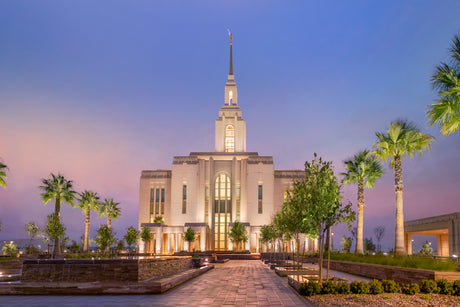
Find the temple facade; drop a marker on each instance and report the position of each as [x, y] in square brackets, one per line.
[210, 190]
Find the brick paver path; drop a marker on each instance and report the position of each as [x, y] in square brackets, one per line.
[235, 283]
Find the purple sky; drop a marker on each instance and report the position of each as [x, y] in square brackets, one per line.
[102, 90]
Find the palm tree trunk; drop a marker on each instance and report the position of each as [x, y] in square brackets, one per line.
[57, 212]
[399, 225]
[87, 222]
[109, 224]
[359, 231]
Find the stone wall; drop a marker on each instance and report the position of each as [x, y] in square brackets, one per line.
[104, 270]
[154, 268]
[377, 271]
[11, 267]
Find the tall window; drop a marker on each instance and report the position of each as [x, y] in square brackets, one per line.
[259, 203]
[206, 205]
[229, 138]
[152, 204]
[222, 211]
[157, 203]
[162, 201]
[184, 199]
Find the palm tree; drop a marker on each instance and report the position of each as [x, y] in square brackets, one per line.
[402, 139]
[88, 201]
[59, 189]
[3, 176]
[363, 169]
[446, 80]
[110, 209]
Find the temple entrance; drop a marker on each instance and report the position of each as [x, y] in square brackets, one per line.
[222, 211]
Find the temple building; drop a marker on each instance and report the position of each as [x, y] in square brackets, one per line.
[209, 190]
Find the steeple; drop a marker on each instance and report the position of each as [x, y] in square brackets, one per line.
[231, 97]
[230, 72]
[230, 130]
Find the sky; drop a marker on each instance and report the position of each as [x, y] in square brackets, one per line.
[99, 91]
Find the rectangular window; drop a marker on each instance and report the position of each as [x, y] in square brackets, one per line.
[206, 205]
[157, 203]
[184, 199]
[238, 201]
[260, 199]
[152, 199]
[162, 201]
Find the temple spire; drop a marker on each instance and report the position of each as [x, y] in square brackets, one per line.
[231, 55]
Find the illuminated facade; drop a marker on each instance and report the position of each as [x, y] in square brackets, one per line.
[209, 190]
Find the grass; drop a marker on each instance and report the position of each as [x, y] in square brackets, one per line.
[415, 262]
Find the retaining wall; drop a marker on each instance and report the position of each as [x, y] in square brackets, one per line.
[104, 270]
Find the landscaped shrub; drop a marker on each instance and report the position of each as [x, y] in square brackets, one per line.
[310, 288]
[343, 288]
[329, 287]
[410, 289]
[390, 286]
[456, 288]
[375, 287]
[428, 286]
[359, 287]
[444, 286]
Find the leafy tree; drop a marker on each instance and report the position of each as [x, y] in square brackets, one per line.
[363, 169]
[146, 236]
[59, 189]
[369, 246]
[446, 80]
[120, 245]
[105, 237]
[74, 247]
[54, 230]
[321, 193]
[10, 248]
[267, 234]
[426, 249]
[402, 139]
[354, 232]
[45, 238]
[3, 175]
[238, 234]
[110, 209]
[158, 219]
[131, 237]
[379, 231]
[33, 231]
[346, 243]
[88, 201]
[189, 236]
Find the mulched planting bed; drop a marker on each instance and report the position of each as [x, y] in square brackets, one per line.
[385, 299]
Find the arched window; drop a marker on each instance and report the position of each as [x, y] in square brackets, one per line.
[229, 139]
[230, 98]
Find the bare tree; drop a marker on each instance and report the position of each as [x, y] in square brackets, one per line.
[379, 231]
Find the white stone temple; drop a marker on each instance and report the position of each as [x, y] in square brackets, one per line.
[210, 190]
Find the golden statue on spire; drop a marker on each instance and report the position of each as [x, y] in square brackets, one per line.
[231, 36]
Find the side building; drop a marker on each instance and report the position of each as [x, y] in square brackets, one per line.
[208, 191]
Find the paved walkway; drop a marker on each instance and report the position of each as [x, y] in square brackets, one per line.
[235, 283]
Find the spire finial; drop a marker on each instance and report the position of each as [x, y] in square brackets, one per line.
[231, 56]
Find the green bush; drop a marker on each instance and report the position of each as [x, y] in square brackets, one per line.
[390, 286]
[375, 287]
[329, 287]
[310, 288]
[456, 288]
[410, 289]
[444, 286]
[428, 286]
[359, 287]
[343, 287]
[416, 262]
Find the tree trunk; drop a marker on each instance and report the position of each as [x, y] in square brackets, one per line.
[321, 251]
[400, 249]
[87, 222]
[109, 221]
[359, 230]
[57, 212]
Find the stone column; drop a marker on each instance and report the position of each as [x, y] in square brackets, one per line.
[257, 243]
[408, 244]
[203, 238]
